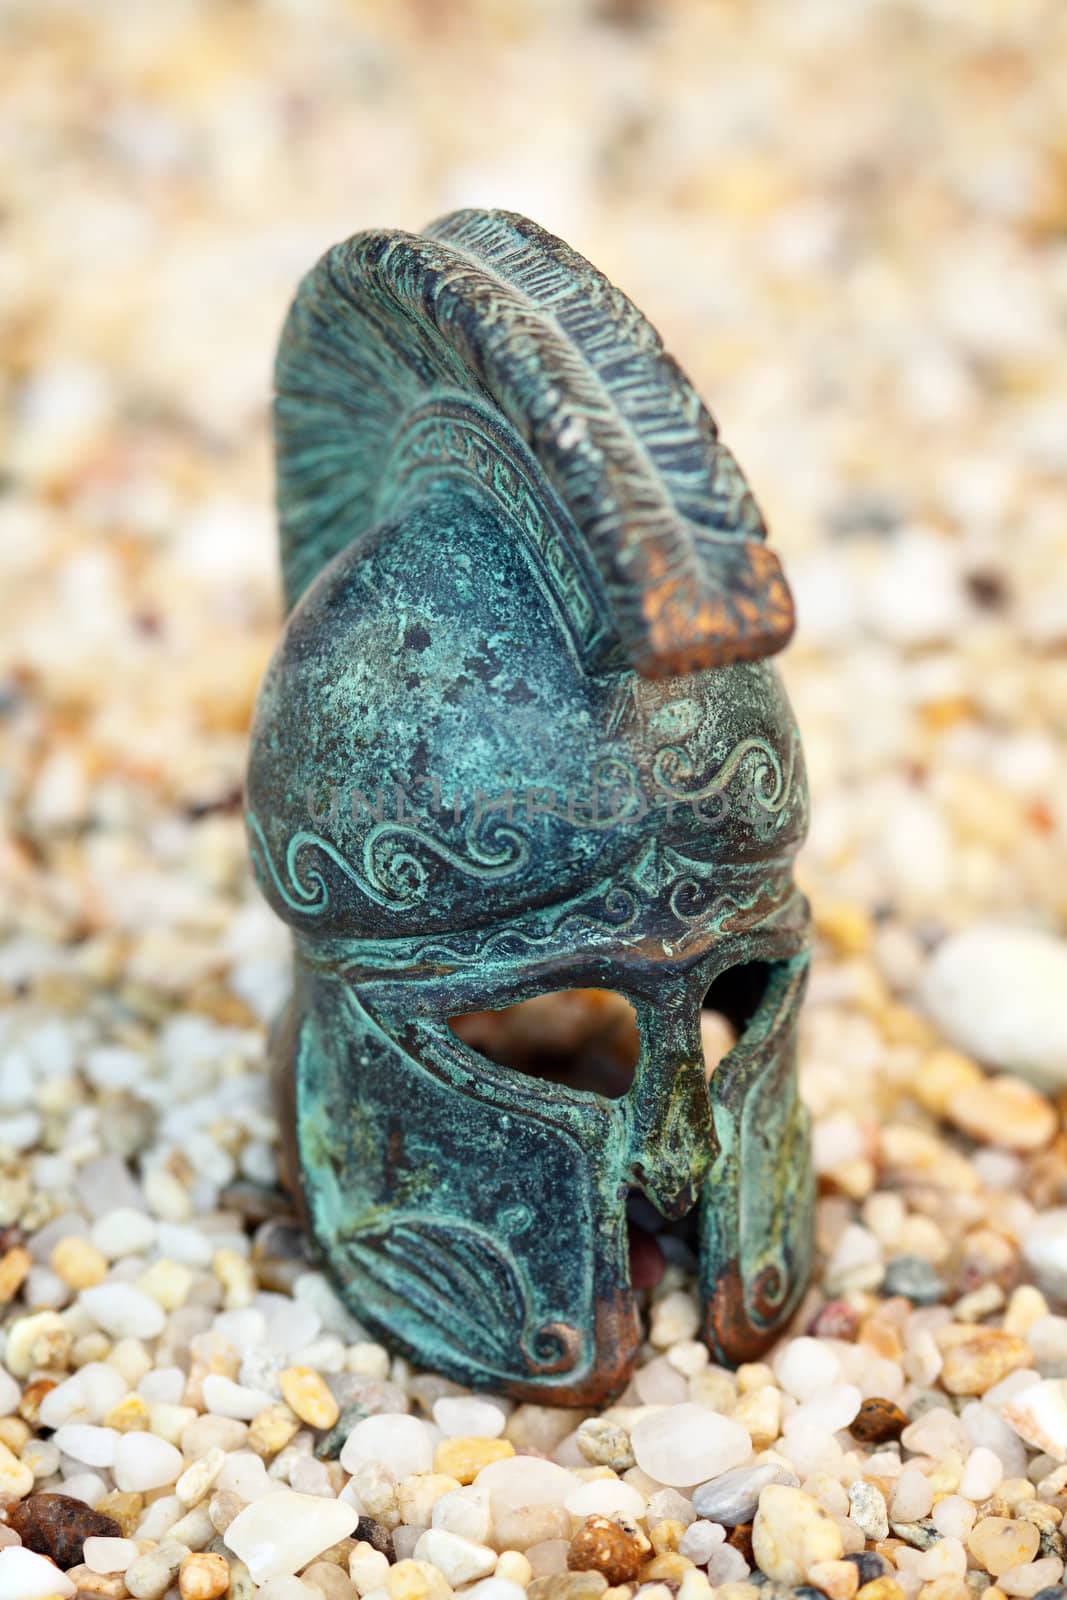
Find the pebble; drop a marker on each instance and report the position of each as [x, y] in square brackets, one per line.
[123, 1231]
[106, 1553]
[306, 1394]
[686, 1444]
[464, 1458]
[601, 1544]
[700, 1539]
[152, 1574]
[981, 1474]
[877, 1421]
[837, 1579]
[605, 1443]
[983, 1357]
[460, 1560]
[1000, 994]
[1003, 1112]
[143, 1462]
[225, 1398]
[732, 1497]
[1038, 1413]
[25, 1575]
[203, 1575]
[465, 1416]
[281, 1532]
[123, 1311]
[1000, 1543]
[606, 1497]
[805, 1366]
[92, 1445]
[1045, 1250]
[394, 1440]
[884, 1588]
[915, 1278]
[867, 1508]
[791, 1533]
[28, 1338]
[57, 1526]
[78, 1263]
[569, 1586]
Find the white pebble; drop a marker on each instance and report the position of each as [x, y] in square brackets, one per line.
[459, 1559]
[954, 1517]
[699, 1540]
[124, 1232]
[144, 1462]
[686, 1444]
[727, 1565]
[806, 1366]
[163, 1386]
[123, 1311]
[832, 1409]
[605, 1497]
[912, 1497]
[106, 1555]
[85, 1442]
[282, 1532]
[1038, 1413]
[494, 1589]
[86, 1486]
[87, 1396]
[395, 1440]
[464, 1511]
[465, 1417]
[25, 1575]
[224, 1398]
[244, 1474]
[1028, 1579]
[1000, 994]
[292, 1326]
[286, 1587]
[982, 1474]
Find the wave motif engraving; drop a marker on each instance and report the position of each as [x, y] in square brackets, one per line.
[770, 786]
[391, 872]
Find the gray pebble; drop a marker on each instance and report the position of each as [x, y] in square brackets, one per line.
[914, 1278]
[920, 1535]
[733, 1497]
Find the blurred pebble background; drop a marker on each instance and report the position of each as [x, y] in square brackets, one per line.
[850, 224]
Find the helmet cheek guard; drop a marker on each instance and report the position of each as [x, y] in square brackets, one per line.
[520, 736]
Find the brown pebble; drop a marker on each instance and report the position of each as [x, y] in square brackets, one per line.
[15, 1267]
[56, 1525]
[32, 1395]
[740, 1538]
[377, 1535]
[601, 1545]
[877, 1421]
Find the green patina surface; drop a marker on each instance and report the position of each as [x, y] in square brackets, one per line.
[520, 735]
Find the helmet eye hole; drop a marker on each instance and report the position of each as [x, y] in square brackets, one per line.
[730, 1005]
[586, 1039]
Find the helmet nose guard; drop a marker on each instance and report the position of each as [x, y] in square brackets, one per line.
[519, 735]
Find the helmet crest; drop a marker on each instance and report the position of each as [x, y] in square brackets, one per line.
[490, 306]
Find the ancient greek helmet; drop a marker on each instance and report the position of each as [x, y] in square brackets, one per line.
[520, 736]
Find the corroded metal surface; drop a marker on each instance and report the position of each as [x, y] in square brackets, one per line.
[519, 735]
